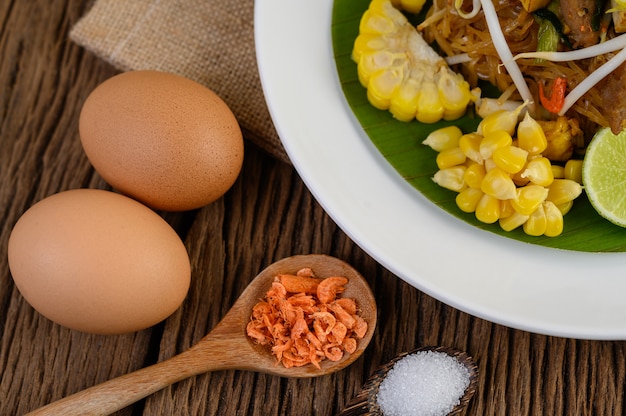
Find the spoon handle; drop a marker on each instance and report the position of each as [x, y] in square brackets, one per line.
[118, 393]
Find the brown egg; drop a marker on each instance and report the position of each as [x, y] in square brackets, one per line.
[162, 139]
[99, 262]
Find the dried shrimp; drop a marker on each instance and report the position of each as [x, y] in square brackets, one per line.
[303, 320]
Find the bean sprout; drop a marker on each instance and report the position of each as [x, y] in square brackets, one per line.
[499, 42]
[473, 13]
[611, 45]
[509, 62]
[595, 77]
[457, 59]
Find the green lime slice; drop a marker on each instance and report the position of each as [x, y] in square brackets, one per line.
[604, 175]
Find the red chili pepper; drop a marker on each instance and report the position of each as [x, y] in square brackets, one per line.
[557, 96]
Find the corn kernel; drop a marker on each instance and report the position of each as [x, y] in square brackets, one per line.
[372, 62]
[367, 42]
[443, 138]
[450, 157]
[374, 22]
[411, 6]
[563, 190]
[430, 108]
[506, 209]
[529, 198]
[504, 120]
[489, 164]
[470, 144]
[383, 85]
[404, 101]
[510, 158]
[498, 184]
[558, 171]
[573, 170]
[537, 222]
[487, 209]
[512, 221]
[554, 218]
[494, 140]
[454, 94]
[378, 7]
[468, 198]
[474, 175]
[451, 178]
[565, 207]
[539, 171]
[530, 135]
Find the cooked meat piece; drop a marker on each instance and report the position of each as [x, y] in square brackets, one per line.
[613, 92]
[577, 16]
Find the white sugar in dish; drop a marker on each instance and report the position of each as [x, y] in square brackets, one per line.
[425, 383]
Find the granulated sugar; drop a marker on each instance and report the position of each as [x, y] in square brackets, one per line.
[425, 383]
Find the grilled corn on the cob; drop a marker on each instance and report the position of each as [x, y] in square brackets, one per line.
[402, 73]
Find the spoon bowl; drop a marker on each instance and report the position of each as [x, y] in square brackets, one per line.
[227, 346]
[365, 403]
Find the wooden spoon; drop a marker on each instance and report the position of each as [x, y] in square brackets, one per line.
[226, 347]
[365, 403]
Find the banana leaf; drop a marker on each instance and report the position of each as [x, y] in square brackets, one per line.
[401, 145]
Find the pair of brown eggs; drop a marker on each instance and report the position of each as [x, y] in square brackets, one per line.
[106, 262]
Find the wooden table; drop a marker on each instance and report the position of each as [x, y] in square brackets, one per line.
[269, 214]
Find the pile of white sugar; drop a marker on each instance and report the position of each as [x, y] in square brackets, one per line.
[425, 383]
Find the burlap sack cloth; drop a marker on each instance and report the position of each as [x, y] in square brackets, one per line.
[209, 41]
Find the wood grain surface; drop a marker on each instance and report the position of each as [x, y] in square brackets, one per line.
[268, 214]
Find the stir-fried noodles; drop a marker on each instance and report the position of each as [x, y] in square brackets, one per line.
[456, 35]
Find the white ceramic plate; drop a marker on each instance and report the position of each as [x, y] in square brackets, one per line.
[542, 290]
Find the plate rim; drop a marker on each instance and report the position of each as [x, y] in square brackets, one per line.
[573, 294]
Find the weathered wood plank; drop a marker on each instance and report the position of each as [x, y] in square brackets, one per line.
[267, 215]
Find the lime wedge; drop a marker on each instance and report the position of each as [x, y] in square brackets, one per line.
[604, 175]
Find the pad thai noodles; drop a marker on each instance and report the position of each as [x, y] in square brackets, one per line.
[545, 78]
[462, 33]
